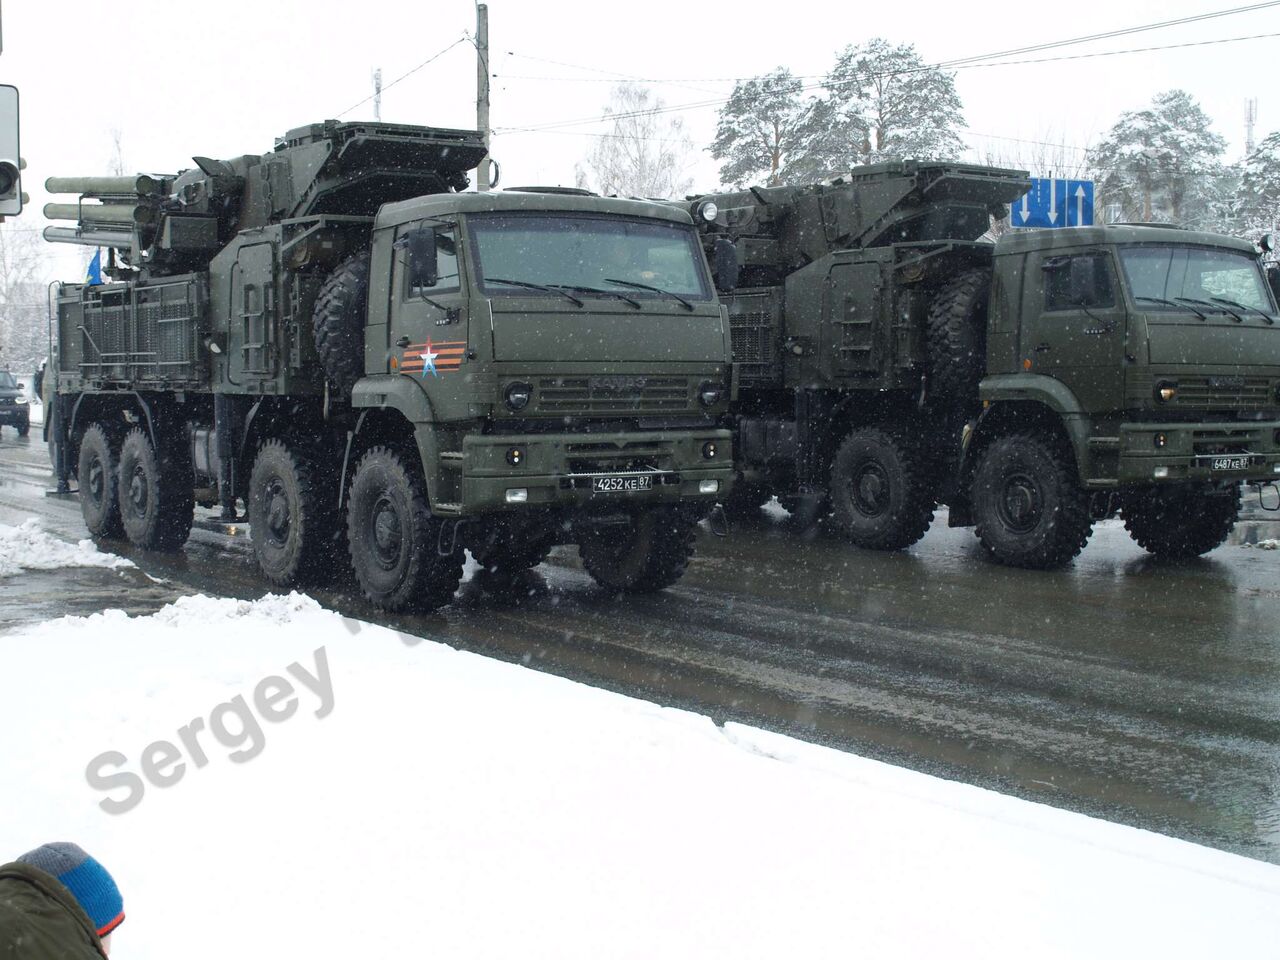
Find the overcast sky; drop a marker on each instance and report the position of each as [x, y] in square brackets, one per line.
[222, 79]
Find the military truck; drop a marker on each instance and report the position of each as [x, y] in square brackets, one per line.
[890, 359]
[386, 371]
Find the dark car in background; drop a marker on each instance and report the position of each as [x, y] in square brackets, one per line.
[14, 409]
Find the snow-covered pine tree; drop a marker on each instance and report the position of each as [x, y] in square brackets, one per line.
[759, 128]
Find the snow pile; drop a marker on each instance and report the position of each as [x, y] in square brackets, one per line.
[1265, 545]
[27, 547]
[428, 801]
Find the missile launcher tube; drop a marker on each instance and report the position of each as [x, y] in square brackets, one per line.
[123, 213]
[141, 185]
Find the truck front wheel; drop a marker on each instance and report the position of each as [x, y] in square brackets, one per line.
[881, 495]
[97, 470]
[290, 515]
[653, 555]
[393, 537]
[1180, 523]
[1029, 509]
[155, 493]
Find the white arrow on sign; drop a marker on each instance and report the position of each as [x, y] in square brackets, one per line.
[1026, 206]
[1080, 205]
[1053, 199]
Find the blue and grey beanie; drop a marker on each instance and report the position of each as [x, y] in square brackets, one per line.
[88, 882]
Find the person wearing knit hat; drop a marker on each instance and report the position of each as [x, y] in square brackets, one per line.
[57, 901]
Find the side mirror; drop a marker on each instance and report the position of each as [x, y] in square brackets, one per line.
[1083, 281]
[424, 269]
[724, 265]
[1273, 280]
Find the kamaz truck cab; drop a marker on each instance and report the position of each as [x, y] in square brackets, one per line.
[1131, 368]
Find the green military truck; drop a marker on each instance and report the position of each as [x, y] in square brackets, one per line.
[890, 360]
[387, 371]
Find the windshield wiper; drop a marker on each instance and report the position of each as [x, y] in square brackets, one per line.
[644, 286]
[1169, 303]
[1232, 303]
[1210, 304]
[537, 286]
[578, 288]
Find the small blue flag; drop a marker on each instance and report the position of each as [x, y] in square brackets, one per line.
[93, 276]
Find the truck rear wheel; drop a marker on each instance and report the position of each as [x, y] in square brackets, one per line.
[338, 320]
[99, 478]
[652, 556]
[155, 493]
[1029, 509]
[24, 427]
[393, 537]
[881, 494]
[957, 340]
[1175, 524]
[291, 515]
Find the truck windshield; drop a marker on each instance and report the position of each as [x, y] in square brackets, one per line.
[589, 255]
[1204, 276]
[6, 381]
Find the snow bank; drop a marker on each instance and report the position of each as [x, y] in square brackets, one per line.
[27, 547]
[450, 805]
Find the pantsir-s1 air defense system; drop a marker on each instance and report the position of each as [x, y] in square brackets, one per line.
[386, 371]
[889, 359]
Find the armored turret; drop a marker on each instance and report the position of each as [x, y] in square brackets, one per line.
[161, 225]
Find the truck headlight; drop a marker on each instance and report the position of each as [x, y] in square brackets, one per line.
[709, 393]
[1165, 391]
[518, 395]
[708, 211]
[19, 400]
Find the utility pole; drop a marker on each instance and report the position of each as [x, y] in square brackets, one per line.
[1250, 118]
[377, 94]
[482, 91]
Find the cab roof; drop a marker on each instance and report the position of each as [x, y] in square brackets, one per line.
[507, 201]
[1127, 234]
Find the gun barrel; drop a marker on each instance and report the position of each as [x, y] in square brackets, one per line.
[89, 238]
[140, 184]
[122, 213]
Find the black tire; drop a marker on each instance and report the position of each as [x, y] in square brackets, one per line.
[958, 341]
[652, 557]
[98, 471]
[292, 516]
[745, 500]
[882, 493]
[1029, 509]
[1180, 523]
[24, 428]
[393, 538]
[338, 321]
[155, 492]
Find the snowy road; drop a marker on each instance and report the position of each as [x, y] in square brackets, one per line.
[1143, 693]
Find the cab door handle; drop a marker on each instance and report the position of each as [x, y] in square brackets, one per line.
[1042, 347]
[402, 342]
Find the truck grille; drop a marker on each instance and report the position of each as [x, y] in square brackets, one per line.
[613, 395]
[1225, 392]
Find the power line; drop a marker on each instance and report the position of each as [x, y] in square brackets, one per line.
[430, 59]
[1054, 44]
[549, 127]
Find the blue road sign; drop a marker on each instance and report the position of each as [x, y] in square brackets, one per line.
[1054, 203]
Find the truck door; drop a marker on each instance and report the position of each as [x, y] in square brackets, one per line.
[854, 335]
[428, 321]
[1073, 326]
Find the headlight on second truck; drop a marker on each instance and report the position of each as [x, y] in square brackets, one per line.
[709, 393]
[19, 400]
[517, 395]
[1165, 391]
